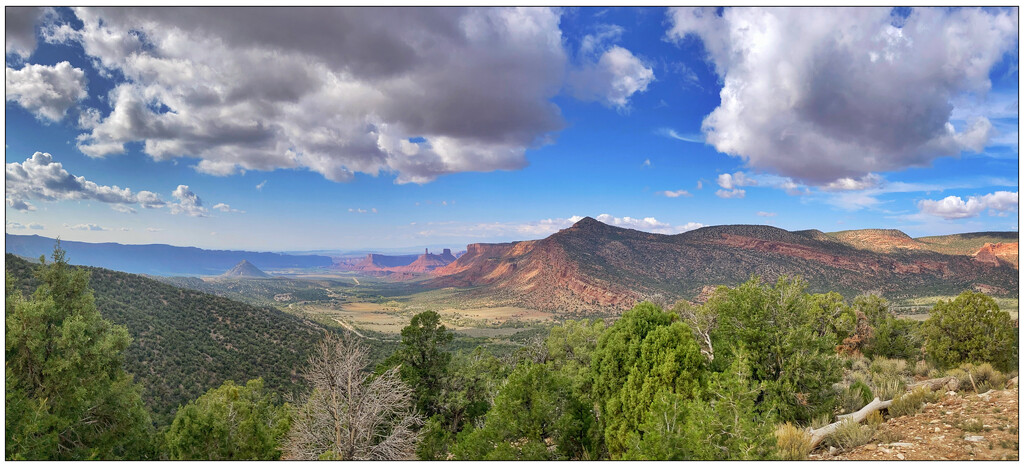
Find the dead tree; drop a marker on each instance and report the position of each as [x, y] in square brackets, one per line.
[350, 415]
[817, 436]
[702, 322]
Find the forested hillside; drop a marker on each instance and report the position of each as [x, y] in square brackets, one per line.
[185, 342]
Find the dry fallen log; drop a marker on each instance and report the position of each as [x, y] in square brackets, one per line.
[817, 436]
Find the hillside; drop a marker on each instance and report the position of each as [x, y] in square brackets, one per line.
[245, 269]
[593, 265]
[163, 260]
[985, 246]
[185, 342]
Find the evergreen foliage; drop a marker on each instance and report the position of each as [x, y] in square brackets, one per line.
[231, 422]
[970, 328]
[68, 396]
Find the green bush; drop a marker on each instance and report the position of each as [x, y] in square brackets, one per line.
[855, 396]
[909, 403]
[888, 387]
[971, 328]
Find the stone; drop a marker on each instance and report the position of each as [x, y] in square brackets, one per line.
[900, 456]
[871, 447]
[974, 439]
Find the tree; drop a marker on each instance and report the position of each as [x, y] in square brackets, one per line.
[723, 424]
[535, 417]
[780, 328]
[68, 396]
[646, 352]
[423, 359]
[349, 415]
[970, 328]
[229, 423]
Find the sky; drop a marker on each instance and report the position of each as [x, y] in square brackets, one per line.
[279, 129]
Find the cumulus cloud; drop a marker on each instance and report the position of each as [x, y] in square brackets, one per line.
[820, 94]
[224, 207]
[616, 76]
[849, 184]
[955, 207]
[41, 178]
[674, 194]
[647, 224]
[730, 181]
[20, 29]
[333, 90]
[734, 193]
[46, 91]
[92, 227]
[123, 208]
[11, 225]
[188, 202]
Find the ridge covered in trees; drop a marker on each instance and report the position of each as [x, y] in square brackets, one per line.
[747, 375]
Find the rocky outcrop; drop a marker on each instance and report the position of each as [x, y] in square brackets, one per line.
[993, 253]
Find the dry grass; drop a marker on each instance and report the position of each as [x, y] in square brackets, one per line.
[794, 443]
[849, 435]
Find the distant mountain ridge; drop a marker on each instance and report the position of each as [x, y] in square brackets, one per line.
[399, 265]
[155, 259]
[592, 264]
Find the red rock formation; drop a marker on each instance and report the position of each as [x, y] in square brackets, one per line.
[993, 253]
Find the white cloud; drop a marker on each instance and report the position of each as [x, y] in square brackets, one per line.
[223, 207]
[153, 229]
[848, 183]
[46, 91]
[954, 207]
[735, 193]
[188, 202]
[766, 214]
[700, 185]
[674, 194]
[647, 163]
[348, 90]
[670, 133]
[123, 208]
[820, 94]
[647, 224]
[730, 181]
[92, 227]
[616, 76]
[259, 187]
[40, 177]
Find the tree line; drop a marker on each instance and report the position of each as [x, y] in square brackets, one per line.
[710, 381]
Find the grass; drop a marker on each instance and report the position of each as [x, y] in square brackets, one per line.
[793, 443]
[849, 435]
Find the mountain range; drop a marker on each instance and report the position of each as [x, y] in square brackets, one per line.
[399, 266]
[593, 264]
[157, 259]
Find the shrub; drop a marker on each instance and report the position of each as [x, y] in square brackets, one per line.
[888, 387]
[972, 425]
[874, 419]
[888, 366]
[855, 396]
[794, 443]
[970, 328]
[820, 420]
[909, 403]
[922, 368]
[849, 434]
[962, 380]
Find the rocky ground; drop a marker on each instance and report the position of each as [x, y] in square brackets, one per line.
[958, 427]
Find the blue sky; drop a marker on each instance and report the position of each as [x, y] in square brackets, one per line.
[308, 129]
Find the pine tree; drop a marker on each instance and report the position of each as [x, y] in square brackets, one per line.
[68, 396]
